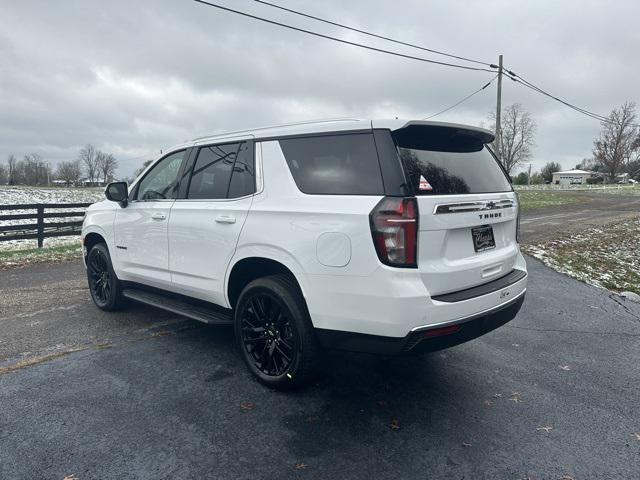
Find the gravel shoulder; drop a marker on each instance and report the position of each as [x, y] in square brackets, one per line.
[595, 240]
[592, 210]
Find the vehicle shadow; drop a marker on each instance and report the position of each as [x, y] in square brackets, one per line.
[357, 397]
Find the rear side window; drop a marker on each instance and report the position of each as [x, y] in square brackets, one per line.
[243, 179]
[222, 171]
[334, 164]
[447, 161]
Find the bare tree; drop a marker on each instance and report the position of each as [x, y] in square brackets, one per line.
[18, 175]
[88, 158]
[618, 141]
[633, 164]
[70, 172]
[589, 164]
[549, 169]
[3, 175]
[107, 165]
[536, 179]
[36, 170]
[11, 169]
[633, 169]
[517, 132]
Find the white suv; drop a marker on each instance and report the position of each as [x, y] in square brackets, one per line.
[383, 236]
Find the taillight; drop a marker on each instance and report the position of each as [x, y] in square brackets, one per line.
[394, 227]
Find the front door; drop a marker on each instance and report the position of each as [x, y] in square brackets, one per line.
[142, 248]
[205, 226]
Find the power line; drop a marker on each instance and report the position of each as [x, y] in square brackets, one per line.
[519, 79]
[347, 42]
[364, 32]
[463, 100]
[524, 82]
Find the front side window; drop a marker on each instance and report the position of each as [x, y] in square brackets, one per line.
[334, 164]
[161, 182]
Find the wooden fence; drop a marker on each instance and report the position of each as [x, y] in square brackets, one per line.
[42, 228]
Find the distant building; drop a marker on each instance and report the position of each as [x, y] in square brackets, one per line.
[571, 177]
[622, 178]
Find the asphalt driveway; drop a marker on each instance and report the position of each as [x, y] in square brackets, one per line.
[150, 395]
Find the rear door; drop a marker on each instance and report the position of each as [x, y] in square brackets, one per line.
[206, 221]
[468, 210]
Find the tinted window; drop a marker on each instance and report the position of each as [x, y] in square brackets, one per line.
[162, 180]
[334, 164]
[243, 177]
[212, 171]
[444, 161]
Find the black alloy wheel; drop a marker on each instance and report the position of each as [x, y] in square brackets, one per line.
[104, 286]
[275, 334]
[268, 334]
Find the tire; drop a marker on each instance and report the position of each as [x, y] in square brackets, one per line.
[104, 286]
[274, 333]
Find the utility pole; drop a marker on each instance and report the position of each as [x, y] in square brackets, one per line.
[499, 109]
[529, 175]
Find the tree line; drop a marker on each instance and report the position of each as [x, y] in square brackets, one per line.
[616, 150]
[91, 167]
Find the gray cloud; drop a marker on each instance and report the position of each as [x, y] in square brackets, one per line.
[135, 77]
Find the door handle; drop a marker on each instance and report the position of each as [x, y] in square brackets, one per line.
[158, 216]
[225, 219]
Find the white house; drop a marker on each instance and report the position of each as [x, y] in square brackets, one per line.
[571, 177]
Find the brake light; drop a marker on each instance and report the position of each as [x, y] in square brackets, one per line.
[394, 227]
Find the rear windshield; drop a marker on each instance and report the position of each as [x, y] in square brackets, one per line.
[446, 161]
[334, 164]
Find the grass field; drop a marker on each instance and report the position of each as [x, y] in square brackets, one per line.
[15, 195]
[20, 257]
[532, 200]
[608, 189]
[10, 195]
[604, 256]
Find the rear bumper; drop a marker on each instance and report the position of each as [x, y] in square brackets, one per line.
[424, 339]
[392, 302]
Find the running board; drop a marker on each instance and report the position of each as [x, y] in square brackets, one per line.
[212, 315]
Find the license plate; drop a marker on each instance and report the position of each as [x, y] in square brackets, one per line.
[483, 238]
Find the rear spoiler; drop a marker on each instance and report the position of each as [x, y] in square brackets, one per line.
[442, 138]
[470, 132]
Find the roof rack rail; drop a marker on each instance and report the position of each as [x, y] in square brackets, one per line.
[293, 124]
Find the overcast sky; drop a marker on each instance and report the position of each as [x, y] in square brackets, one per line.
[135, 77]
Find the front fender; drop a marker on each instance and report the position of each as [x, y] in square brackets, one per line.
[101, 221]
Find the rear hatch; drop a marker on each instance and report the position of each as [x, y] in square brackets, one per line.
[468, 210]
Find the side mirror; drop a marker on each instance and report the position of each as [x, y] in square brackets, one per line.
[117, 192]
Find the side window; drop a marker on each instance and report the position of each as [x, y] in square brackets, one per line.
[223, 171]
[162, 180]
[243, 180]
[334, 164]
